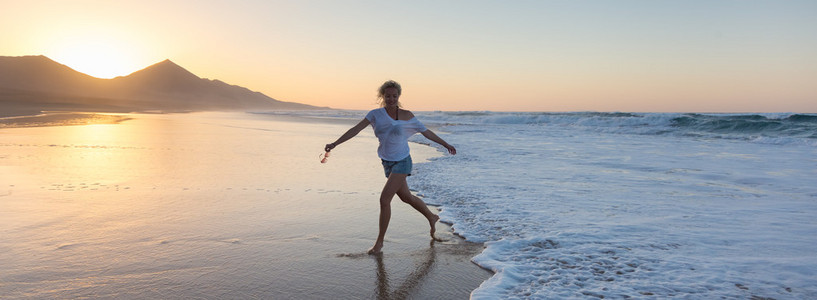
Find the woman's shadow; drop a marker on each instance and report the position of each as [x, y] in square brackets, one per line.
[414, 279]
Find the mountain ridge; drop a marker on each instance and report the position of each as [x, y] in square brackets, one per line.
[38, 83]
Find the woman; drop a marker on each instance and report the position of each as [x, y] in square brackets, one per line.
[393, 126]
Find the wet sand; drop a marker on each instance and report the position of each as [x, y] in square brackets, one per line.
[61, 119]
[212, 205]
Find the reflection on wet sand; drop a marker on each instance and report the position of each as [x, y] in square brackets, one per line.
[62, 119]
[418, 274]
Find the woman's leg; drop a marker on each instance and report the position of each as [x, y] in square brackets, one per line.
[393, 184]
[405, 194]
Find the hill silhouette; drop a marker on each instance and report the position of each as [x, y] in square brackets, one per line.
[30, 84]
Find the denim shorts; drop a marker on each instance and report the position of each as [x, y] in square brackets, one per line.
[398, 167]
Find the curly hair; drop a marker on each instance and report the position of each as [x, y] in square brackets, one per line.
[382, 91]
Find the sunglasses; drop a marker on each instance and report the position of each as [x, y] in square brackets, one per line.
[324, 157]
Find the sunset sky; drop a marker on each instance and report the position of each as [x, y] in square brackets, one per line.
[642, 56]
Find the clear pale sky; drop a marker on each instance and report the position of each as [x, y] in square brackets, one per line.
[641, 56]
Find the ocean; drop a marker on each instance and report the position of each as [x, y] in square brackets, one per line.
[628, 205]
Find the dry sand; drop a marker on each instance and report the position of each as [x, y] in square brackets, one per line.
[212, 205]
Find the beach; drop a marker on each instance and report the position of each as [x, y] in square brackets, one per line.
[213, 206]
[555, 205]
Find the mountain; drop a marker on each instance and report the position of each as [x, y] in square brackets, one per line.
[30, 84]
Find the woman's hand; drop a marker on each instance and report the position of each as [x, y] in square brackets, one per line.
[329, 147]
[451, 149]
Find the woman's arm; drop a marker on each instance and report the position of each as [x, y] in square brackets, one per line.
[433, 137]
[352, 132]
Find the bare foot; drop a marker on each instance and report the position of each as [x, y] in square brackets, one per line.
[433, 223]
[376, 249]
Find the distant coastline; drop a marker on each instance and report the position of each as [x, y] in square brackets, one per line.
[32, 84]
